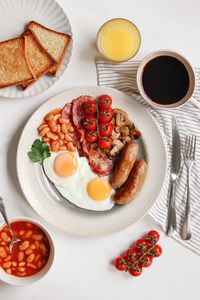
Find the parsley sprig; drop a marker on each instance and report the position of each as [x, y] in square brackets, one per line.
[39, 151]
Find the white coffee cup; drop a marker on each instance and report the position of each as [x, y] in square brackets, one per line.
[187, 97]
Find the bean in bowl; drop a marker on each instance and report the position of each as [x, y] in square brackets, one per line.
[30, 255]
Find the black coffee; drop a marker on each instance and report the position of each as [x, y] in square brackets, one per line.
[165, 80]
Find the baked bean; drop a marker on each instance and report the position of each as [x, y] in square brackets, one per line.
[29, 233]
[29, 225]
[64, 121]
[21, 269]
[45, 139]
[14, 264]
[2, 252]
[32, 247]
[62, 148]
[54, 128]
[64, 128]
[37, 237]
[37, 245]
[56, 117]
[20, 256]
[70, 147]
[44, 131]
[24, 245]
[37, 257]
[5, 237]
[32, 266]
[55, 146]
[61, 143]
[39, 264]
[49, 117]
[28, 251]
[9, 271]
[21, 264]
[3, 243]
[21, 274]
[61, 136]
[42, 127]
[8, 258]
[68, 137]
[21, 232]
[51, 123]
[7, 264]
[70, 128]
[52, 136]
[56, 111]
[58, 128]
[30, 258]
[43, 248]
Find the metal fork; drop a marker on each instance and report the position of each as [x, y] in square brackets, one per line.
[189, 158]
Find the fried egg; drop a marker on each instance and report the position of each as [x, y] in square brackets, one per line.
[74, 179]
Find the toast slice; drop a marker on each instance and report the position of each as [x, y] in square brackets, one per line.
[38, 59]
[13, 65]
[55, 43]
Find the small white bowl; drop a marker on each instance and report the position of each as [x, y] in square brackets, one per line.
[21, 281]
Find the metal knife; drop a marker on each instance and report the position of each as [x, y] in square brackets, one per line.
[175, 168]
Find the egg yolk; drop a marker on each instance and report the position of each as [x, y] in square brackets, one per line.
[99, 189]
[65, 164]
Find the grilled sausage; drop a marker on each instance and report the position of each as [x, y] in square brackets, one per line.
[135, 181]
[125, 164]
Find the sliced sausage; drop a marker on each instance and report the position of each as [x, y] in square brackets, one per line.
[133, 184]
[125, 164]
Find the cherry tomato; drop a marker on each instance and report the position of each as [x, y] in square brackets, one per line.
[120, 263]
[105, 115]
[105, 129]
[157, 251]
[91, 136]
[90, 107]
[104, 101]
[147, 260]
[131, 253]
[90, 123]
[142, 244]
[105, 142]
[153, 235]
[137, 271]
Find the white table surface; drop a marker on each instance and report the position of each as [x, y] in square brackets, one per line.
[82, 268]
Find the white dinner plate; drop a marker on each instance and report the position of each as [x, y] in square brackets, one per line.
[15, 15]
[78, 221]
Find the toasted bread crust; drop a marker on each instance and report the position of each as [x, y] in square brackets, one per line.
[14, 71]
[55, 68]
[40, 62]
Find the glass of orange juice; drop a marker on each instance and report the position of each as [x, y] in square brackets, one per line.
[118, 40]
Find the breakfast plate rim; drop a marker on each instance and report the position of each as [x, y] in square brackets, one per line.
[45, 215]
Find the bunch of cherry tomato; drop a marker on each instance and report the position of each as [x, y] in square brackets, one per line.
[140, 255]
[98, 115]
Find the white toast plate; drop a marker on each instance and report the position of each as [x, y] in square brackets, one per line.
[15, 15]
[82, 222]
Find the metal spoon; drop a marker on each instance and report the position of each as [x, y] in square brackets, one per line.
[14, 239]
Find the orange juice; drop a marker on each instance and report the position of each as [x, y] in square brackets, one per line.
[118, 40]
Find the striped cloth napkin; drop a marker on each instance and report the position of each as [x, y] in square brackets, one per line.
[123, 77]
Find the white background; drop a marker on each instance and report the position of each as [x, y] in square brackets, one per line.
[82, 268]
